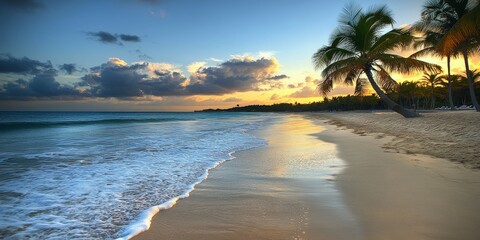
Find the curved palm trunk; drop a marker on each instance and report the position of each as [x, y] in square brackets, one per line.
[449, 79]
[470, 82]
[391, 104]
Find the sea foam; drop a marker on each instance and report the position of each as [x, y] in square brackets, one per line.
[101, 180]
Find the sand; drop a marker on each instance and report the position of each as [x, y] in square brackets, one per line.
[316, 181]
[453, 135]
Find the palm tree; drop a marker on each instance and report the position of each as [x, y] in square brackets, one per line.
[475, 75]
[432, 79]
[465, 29]
[357, 47]
[409, 92]
[433, 31]
[446, 15]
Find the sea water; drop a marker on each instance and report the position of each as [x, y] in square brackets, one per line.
[77, 175]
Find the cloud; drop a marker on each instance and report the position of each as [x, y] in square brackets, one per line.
[215, 59]
[239, 74]
[106, 37]
[42, 85]
[9, 64]
[141, 80]
[308, 88]
[143, 56]
[24, 5]
[305, 92]
[275, 97]
[195, 66]
[129, 38]
[70, 68]
[118, 79]
[279, 77]
[232, 99]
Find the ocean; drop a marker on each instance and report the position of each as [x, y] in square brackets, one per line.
[82, 175]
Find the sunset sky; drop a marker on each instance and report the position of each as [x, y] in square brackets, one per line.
[168, 55]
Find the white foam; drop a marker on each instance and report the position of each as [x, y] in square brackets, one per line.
[83, 184]
[145, 219]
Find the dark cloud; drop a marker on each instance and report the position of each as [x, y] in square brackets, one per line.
[106, 37]
[23, 5]
[129, 38]
[9, 64]
[117, 79]
[110, 80]
[279, 77]
[235, 75]
[143, 56]
[70, 68]
[42, 85]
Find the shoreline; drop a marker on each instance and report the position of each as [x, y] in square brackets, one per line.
[399, 195]
[366, 200]
[451, 135]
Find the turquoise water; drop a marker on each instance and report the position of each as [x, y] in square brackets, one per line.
[94, 175]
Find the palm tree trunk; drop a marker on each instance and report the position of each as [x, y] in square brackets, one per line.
[449, 79]
[391, 104]
[470, 82]
[433, 96]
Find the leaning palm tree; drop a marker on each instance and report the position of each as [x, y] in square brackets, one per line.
[432, 79]
[447, 14]
[358, 47]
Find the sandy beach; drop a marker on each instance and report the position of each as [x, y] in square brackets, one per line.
[339, 176]
[453, 135]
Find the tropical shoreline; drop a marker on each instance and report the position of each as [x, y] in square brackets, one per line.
[451, 135]
[380, 194]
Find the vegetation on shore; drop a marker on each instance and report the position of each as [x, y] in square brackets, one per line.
[358, 48]
[417, 95]
[361, 53]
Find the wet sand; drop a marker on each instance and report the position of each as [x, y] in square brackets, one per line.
[315, 181]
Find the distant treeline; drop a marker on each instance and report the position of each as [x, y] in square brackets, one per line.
[410, 94]
[344, 103]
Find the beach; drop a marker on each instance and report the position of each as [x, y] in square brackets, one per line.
[340, 176]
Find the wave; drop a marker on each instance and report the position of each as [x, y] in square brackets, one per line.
[9, 126]
[145, 219]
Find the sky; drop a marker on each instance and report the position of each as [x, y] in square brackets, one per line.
[168, 55]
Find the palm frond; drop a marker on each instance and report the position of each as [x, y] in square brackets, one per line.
[360, 86]
[348, 63]
[384, 80]
[325, 86]
[328, 54]
[424, 52]
[343, 74]
[465, 29]
[394, 39]
[392, 62]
